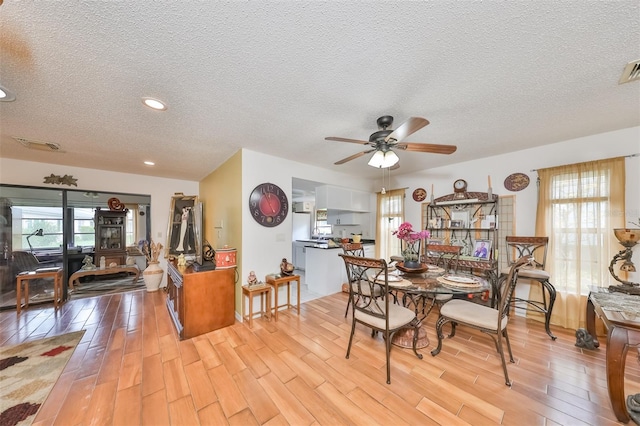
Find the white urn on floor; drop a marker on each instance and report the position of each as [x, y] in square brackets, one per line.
[153, 276]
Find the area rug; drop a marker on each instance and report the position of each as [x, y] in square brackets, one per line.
[109, 286]
[28, 372]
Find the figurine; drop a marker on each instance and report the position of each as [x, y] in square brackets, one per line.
[286, 268]
[87, 263]
[252, 279]
[182, 261]
[584, 339]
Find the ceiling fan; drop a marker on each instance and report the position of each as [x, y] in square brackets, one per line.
[385, 140]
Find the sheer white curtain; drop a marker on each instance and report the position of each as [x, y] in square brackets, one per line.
[579, 205]
[390, 215]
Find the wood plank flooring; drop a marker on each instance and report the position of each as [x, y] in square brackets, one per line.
[131, 368]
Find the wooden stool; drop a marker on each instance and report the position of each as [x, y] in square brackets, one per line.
[263, 290]
[276, 280]
[23, 280]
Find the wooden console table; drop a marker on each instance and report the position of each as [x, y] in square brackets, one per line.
[618, 312]
[106, 271]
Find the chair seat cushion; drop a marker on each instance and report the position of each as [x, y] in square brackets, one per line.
[398, 316]
[536, 274]
[472, 313]
[443, 297]
[531, 273]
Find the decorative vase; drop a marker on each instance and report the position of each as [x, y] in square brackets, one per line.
[410, 254]
[153, 276]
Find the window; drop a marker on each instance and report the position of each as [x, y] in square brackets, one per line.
[83, 227]
[390, 216]
[322, 227]
[32, 218]
[581, 226]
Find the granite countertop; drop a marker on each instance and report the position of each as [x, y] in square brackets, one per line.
[318, 243]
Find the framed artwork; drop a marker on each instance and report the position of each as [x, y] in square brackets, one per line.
[461, 216]
[482, 249]
[181, 236]
[456, 224]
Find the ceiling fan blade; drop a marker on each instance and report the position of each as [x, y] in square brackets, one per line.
[353, 157]
[426, 147]
[331, 138]
[412, 125]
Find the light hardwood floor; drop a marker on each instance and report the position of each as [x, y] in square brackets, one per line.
[131, 368]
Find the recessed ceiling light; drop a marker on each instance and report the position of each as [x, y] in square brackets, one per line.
[6, 96]
[149, 163]
[154, 104]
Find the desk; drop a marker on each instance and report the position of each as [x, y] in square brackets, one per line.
[23, 279]
[422, 294]
[106, 271]
[623, 331]
[276, 280]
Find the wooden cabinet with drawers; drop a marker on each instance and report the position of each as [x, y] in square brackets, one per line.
[111, 236]
[200, 302]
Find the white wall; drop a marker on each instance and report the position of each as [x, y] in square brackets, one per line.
[264, 248]
[595, 147]
[17, 172]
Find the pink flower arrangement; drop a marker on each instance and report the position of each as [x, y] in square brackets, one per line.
[405, 232]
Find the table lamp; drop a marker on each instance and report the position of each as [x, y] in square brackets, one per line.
[628, 237]
[37, 232]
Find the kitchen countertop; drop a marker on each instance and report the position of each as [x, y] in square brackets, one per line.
[315, 244]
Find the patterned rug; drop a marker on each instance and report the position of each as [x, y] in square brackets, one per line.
[27, 374]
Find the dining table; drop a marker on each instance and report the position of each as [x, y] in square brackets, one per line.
[422, 287]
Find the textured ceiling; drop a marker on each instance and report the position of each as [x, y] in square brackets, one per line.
[278, 77]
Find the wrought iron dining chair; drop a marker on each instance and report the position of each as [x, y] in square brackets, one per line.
[352, 249]
[518, 247]
[486, 319]
[379, 313]
[444, 256]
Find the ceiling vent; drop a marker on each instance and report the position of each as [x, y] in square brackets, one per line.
[39, 146]
[631, 72]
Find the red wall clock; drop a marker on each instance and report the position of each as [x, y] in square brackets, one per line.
[268, 204]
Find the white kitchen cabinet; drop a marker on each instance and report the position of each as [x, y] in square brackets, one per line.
[300, 257]
[337, 198]
[325, 271]
[369, 250]
[360, 201]
[337, 217]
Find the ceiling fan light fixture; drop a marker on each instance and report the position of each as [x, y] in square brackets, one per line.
[377, 159]
[383, 159]
[390, 159]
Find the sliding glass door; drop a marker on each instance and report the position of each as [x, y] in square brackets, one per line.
[43, 227]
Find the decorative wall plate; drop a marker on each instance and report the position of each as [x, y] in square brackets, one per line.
[419, 194]
[516, 182]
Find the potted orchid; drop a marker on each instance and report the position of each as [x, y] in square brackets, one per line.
[411, 243]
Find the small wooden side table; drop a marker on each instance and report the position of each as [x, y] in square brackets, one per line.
[264, 291]
[22, 280]
[276, 280]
